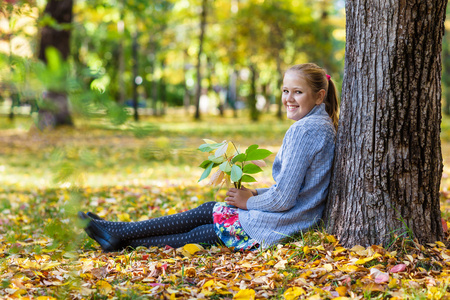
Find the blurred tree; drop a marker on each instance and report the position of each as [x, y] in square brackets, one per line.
[121, 51]
[254, 113]
[136, 77]
[9, 10]
[321, 44]
[156, 20]
[54, 111]
[388, 162]
[173, 53]
[269, 32]
[198, 89]
[446, 66]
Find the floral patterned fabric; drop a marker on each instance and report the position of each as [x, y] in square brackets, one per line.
[229, 229]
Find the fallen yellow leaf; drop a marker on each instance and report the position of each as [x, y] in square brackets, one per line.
[348, 268]
[247, 294]
[306, 250]
[342, 290]
[124, 217]
[362, 261]
[208, 284]
[357, 248]
[48, 266]
[393, 283]
[338, 250]
[328, 267]
[193, 248]
[104, 287]
[440, 244]
[331, 239]
[281, 264]
[293, 293]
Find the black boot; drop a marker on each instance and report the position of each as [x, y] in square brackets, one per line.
[93, 216]
[107, 241]
[84, 217]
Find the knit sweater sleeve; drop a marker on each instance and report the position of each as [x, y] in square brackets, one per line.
[261, 191]
[299, 148]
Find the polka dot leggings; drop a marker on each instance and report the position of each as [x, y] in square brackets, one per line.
[192, 226]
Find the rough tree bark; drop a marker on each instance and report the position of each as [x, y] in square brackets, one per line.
[56, 112]
[388, 162]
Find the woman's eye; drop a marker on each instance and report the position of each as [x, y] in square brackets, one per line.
[298, 92]
[285, 91]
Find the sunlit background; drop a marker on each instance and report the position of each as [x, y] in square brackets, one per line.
[148, 53]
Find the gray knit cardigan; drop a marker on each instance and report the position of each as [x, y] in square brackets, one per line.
[302, 171]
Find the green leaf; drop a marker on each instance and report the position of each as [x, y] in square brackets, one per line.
[54, 59]
[225, 167]
[217, 160]
[238, 158]
[247, 178]
[209, 147]
[206, 172]
[205, 148]
[236, 173]
[251, 148]
[258, 154]
[221, 150]
[251, 169]
[205, 164]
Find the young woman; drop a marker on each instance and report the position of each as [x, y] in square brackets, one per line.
[249, 219]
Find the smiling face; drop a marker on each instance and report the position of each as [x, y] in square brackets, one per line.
[298, 97]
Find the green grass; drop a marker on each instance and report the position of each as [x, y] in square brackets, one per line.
[99, 153]
[132, 172]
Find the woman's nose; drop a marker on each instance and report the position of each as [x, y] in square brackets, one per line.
[289, 97]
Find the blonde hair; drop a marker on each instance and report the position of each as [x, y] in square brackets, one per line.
[317, 79]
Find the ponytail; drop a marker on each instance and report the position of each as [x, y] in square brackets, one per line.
[331, 103]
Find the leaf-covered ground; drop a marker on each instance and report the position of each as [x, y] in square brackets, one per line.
[137, 173]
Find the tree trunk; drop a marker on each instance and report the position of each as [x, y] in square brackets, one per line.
[56, 111]
[121, 54]
[198, 90]
[232, 93]
[212, 89]
[14, 95]
[154, 83]
[186, 97]
[135, 75]
[279, 103]
[162, 88]
[388, 162]
[254, 113]
[446, 71]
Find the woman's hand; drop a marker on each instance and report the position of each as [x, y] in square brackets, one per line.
[239, 197]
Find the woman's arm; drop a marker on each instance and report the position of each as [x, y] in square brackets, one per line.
[300, 146]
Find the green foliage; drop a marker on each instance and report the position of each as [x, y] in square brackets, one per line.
[41, 230]
[100, 72]
[232, 163]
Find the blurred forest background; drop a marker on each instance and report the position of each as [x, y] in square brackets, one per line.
[203, 56]
[138, 85]
[164, 63]
[206, 56]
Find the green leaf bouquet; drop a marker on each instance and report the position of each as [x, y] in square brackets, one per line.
[234, 166]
